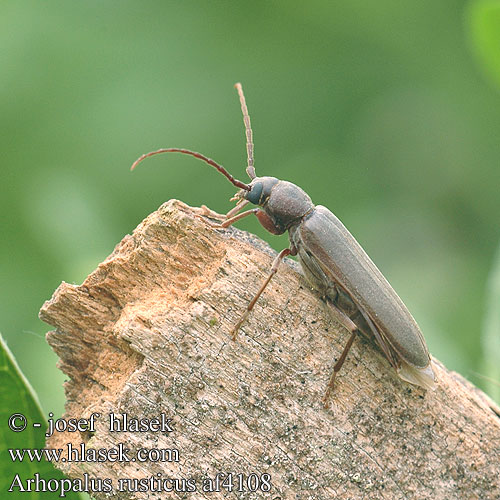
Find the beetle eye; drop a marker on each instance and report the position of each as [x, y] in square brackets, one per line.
[254, 195]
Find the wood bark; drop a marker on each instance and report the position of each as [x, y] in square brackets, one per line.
[148, 333]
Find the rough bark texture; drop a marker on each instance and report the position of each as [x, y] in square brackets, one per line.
[148, 333]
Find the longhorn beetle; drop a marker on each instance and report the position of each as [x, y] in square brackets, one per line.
[357, 293]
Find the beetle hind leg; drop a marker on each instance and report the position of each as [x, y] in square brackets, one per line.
[347, 322]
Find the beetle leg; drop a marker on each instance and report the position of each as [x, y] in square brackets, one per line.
[204, 211]
[269, 225]
[236, 218]
[346, 322]
[274, 268]
[237, 208]
[336, 368]
[232, 220]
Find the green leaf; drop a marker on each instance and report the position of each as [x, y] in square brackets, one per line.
[484, 24]
[17, 396]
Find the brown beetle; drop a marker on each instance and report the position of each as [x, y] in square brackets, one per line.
[357, 293]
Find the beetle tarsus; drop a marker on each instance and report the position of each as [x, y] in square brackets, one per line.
[234, 331]
[208, 222]
[212, 214]
[329, 389]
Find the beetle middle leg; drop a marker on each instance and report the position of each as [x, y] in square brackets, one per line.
[231, 217]
[274, 268]
[347, 322]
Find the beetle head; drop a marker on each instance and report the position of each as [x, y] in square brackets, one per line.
[283, 202]
[260, 190]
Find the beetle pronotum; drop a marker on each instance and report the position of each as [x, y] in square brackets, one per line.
[357, 293]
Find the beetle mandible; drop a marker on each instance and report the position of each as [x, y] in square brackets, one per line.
[356, 292]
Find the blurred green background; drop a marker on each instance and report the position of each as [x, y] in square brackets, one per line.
[386, 112]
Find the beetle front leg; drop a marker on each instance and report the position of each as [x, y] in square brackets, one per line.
[231, 220]
[236, 218]
[205, 212]
[346, 322]
[237, 208]
[274, 268]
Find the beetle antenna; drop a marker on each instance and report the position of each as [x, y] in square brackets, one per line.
[248, 132]
[220, 168]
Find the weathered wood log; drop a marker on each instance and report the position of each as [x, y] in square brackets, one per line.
[147, 333]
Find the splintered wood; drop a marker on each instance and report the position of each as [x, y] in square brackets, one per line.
[147, 335]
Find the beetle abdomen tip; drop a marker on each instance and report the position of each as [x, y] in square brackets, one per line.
[423, 377]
